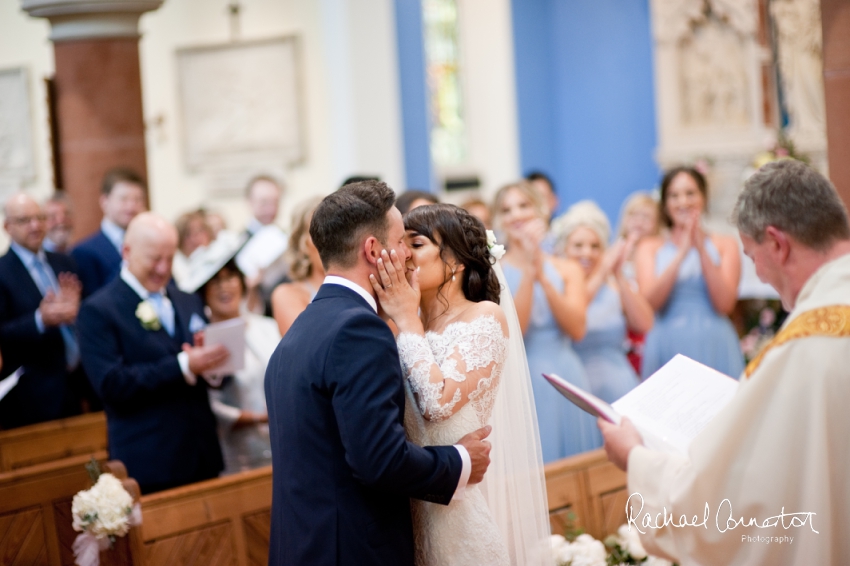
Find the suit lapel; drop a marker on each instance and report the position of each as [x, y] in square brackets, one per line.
[23, 279]
[132, 302]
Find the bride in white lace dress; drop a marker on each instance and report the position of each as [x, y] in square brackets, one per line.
[453, 342]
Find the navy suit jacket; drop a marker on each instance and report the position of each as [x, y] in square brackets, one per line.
[44, 391]
[159, 426]
[343, 469]
[98, 262]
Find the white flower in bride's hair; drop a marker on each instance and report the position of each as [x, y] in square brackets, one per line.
[496, 250]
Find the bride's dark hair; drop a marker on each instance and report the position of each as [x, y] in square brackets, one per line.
[464, 235]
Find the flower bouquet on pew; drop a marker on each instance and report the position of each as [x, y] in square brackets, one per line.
[101, 514]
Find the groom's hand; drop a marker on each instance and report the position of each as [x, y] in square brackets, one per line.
[479, 452]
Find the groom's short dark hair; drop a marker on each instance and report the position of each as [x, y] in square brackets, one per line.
[345, 217]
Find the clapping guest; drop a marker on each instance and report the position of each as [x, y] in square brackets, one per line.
[305, 269]
[551, 303]
[240, 404]
[690, 278]
[39, 300]
[99, 257]
[136, 341]
[638, 221]
[615, 305]
[59, 223]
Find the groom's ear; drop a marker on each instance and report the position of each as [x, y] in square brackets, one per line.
[372, 249]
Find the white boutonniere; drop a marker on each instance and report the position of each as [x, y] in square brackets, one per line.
[496, 250]
[147, 316]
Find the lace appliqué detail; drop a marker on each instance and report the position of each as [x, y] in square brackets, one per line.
[471, 352]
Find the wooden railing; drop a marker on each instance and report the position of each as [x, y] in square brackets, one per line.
[590, 488]
[222, 521]
[227, 520]
[45, 442]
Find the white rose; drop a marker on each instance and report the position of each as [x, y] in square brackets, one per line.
[147, 316]
[491, 238]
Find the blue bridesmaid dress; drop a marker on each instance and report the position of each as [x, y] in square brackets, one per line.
[688, 323]
[603, 349]
[564, 428]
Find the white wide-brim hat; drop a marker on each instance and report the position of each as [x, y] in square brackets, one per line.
[206, 261]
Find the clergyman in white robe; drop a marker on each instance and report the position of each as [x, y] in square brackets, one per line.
[782, 445]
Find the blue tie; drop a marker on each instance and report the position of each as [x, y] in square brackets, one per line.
[72, 348]
[164, 312]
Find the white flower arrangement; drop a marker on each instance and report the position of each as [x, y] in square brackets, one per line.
[583, 551]
[496, 250]
[146, 314]
[101, 514]
[621, 549]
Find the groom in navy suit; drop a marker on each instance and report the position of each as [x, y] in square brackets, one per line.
[136, 338]
[343, 469]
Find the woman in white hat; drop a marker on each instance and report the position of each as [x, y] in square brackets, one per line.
[240, 404]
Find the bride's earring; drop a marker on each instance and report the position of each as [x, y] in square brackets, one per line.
[453, 274]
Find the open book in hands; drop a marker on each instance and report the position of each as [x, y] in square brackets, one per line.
[669, 409]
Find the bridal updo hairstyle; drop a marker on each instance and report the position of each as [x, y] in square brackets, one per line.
[465, 236]
[343, 219]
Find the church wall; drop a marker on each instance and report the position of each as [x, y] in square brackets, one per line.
[348, 85]
[586, 97]
[23, 43]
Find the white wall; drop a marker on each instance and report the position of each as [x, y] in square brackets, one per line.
[350, 88]
[24, 43]
[350, 91]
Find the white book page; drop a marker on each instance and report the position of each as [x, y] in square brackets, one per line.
[675, 403]
[230, 333]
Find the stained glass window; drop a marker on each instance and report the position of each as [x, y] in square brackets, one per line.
[442, 62]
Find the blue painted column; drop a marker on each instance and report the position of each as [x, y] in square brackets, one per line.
[586, 98]
[414, 95]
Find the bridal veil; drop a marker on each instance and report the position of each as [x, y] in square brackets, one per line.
[514, 485]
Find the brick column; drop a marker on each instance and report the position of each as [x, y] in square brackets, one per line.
[835, 15]
[98, 95]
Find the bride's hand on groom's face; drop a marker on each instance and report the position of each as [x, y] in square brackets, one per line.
[398, 297]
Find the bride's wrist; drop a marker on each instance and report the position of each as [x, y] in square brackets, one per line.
[410, 324]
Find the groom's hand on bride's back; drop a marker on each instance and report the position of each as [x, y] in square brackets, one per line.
[479, 452]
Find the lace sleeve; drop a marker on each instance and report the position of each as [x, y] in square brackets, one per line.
[464, 366]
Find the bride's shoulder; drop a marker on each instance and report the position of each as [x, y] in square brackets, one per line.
[486, 313]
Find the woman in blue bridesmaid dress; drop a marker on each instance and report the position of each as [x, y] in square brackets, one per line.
[615, 304]
[691, 280]
[551, 301]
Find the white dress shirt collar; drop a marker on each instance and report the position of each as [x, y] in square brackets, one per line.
[367, 296]
[113, 232]
[135, 285]
[27, 257]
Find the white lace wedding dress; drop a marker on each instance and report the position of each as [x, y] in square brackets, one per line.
[470, 356]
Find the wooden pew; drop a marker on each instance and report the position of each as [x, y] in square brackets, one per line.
[35, 511]
[590, 487]
[44, 442]
[216, 522]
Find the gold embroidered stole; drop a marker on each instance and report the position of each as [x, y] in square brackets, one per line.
[826, 321]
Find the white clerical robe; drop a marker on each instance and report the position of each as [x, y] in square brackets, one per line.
[781, 445]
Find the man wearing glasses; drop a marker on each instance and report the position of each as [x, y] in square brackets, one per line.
[39, 300]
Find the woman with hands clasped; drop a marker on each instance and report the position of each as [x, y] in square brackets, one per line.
[551, 302]
[615, 305]
[690, 279]
[454, 346]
